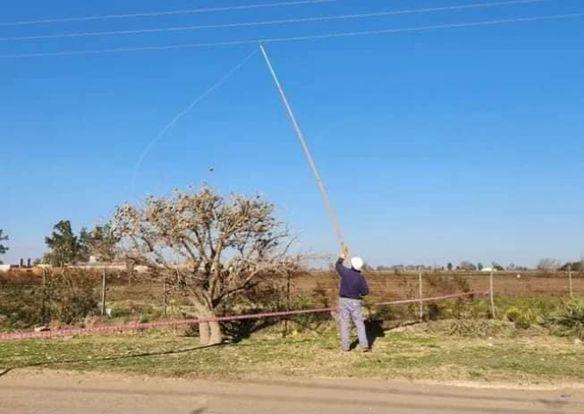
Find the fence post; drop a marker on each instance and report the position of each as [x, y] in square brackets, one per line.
[44, 304]
[420, 295]
[103, 289]
[285, 333]
[491, 294]
[570, 282]
[164, 299]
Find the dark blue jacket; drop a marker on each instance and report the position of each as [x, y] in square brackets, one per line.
[353, 284]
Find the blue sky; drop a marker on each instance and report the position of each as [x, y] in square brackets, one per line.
[436, 146]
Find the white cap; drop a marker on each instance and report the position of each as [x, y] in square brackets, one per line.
[357, 263]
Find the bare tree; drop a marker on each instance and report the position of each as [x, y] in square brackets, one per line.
[467, 265]
[213, 248]
[3, 248]
[548, 265]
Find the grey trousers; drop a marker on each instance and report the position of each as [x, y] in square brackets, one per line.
[350, 309]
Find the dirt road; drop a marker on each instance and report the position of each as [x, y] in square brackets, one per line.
[52, 392]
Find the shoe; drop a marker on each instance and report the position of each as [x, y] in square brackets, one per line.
[365, 350]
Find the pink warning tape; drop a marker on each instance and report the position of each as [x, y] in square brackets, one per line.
[135, 326]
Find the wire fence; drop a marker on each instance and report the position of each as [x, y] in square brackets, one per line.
[48, 297]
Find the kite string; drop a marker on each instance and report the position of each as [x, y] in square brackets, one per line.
[220, 82]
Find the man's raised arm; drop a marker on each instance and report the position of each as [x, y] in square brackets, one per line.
[342, 257]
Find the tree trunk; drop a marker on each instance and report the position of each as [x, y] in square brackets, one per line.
[210, 333]
[204, 333]
[216, 334]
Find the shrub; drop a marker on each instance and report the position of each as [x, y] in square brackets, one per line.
[71, 297]
[569, 321]
[479, 328]
[21, 307]
[67, 297]
[512, 314]
[522, 318]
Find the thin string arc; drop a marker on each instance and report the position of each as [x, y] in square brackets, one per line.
[220, 82]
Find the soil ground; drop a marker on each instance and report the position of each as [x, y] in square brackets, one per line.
[62, 392]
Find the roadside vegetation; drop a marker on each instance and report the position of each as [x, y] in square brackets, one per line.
[523, 346]
[427, 351]
[207, 255]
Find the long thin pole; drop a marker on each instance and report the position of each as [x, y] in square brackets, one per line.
[327, 201]
[492, 294]
[164, 298]
[420, 295]
[570, 286]
[103, 290]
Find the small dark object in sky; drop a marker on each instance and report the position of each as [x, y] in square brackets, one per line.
[211, 169]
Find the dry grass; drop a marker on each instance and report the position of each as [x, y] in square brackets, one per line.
[526, 357]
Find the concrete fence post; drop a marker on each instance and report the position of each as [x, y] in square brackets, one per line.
[164, 297]
[492, 294]
[103, 290]
[570, 286]
[44, 298]
[285, 332]
[420, 293]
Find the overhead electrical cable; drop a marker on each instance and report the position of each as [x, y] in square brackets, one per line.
[166, 13]
[332, 35]
[271, 22]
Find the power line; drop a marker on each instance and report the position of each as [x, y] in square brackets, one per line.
[299, 38]
[167, 13]
[271, 22]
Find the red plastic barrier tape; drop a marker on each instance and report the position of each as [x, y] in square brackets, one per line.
[135, 326]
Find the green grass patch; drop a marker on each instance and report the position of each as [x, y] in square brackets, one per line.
[526, 357]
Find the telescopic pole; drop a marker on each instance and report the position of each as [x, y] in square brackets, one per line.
[331, 212]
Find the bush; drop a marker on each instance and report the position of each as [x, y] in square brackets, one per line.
[67, 297]
[512, 314]
[71, 297]
[470, 328]
[20, 306]
[522, 318]
[569, 321]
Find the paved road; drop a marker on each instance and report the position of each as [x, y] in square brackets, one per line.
[52, 392]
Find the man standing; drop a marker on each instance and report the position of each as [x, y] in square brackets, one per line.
[353, 288]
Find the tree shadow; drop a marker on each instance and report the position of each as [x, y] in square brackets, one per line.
[236, 331]
[5, 371]
[111, 358]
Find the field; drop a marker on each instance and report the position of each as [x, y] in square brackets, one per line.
[383, 285]
[25, 302]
